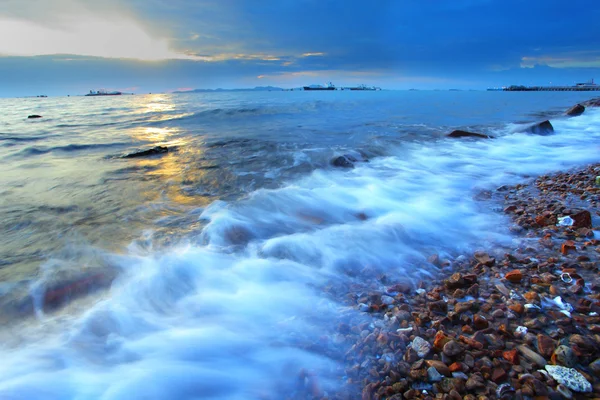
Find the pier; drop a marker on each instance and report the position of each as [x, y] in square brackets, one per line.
[579, 87]
[551, 88]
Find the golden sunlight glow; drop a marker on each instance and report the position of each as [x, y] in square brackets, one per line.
[85, 35]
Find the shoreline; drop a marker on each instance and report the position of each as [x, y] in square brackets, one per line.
[491, 321]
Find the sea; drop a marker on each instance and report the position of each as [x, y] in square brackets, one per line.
[224, 268]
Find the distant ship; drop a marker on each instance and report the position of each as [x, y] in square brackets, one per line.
[330, 86]
[103, 92]
[363, 87]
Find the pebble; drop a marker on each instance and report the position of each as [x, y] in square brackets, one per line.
[420, 346]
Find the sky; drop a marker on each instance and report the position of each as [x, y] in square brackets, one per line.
[60, 47]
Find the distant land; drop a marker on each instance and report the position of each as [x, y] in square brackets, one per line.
[255, 89]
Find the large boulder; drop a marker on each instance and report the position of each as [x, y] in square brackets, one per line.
[576, 110]
[150, 152]
[541, 128]
[459, 134]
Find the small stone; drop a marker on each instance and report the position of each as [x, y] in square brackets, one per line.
[564, 391]
[462, 307]
[440, 340]
[485, 259]
[518, 308]
[531, 355]
[452, 348]
[439, 366]
[582, 219]
[594, 366]
[474, 382]
[455, 281]
[532, 298]
[567, 246]
[479, 322]
[498, 314]
[433, 375]
[498, 375]
[511, 356]
[514, 276]
[387, 300]
[570, 378]
[421, 346]
[563, 355]
[545, 345]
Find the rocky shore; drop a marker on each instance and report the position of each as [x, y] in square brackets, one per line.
[519, 322]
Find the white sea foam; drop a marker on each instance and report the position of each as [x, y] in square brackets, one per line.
[240, 314]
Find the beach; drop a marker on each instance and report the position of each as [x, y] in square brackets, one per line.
[300, 245]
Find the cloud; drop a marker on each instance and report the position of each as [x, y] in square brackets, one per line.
[85, 35]
[579, 59]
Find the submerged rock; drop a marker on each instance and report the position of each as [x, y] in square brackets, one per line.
[541, 128]
[34, 116]
[460, 133]
[150, 152]
[569, 377]
[347, 161]
[576, 110]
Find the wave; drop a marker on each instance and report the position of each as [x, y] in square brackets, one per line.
[249, 306]
[35, 151]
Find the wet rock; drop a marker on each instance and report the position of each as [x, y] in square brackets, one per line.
[347, 161]
[479, 322]
[455, 281]
[570, 378]
[439, 366]
[514, 276]
[531, 355]
[563, 355]
[567, 246]
[564, 392]
[505, 391]
[440, 340]
[541, 128]
[462, 307]
[150, 152]
[420, 346]
[460, 133]
[452, 348]
[545, 345]
[511, 356]
[475, 382]
[34, 116]
[595, 367]
[582, 219]
[69, 285]
[484, 259]
[498, 375]
[433, 375]
[576, 110]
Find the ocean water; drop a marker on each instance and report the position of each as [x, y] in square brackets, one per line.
[221, 269]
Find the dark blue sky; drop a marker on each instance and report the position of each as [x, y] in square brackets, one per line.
[159, 45]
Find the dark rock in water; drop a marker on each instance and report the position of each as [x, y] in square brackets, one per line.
[346, 161]
[576, 110]
[459, 134]
[592, 103]
[34, 116]
[151, 152]
[67, 288]
[542, 128]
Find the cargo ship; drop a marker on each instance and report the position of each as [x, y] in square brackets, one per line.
[330, 86]
[103, 92]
